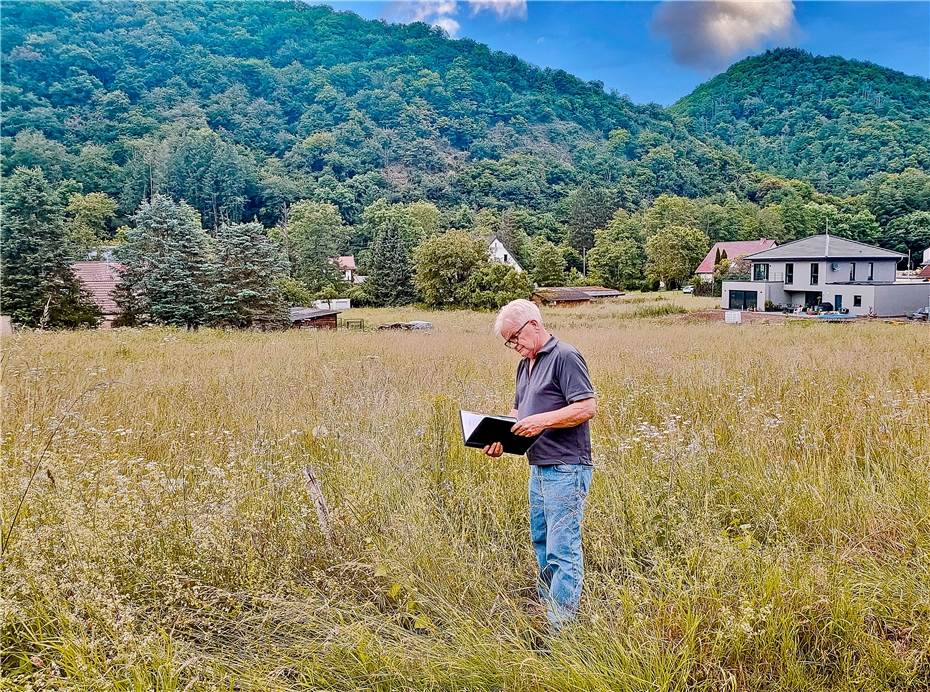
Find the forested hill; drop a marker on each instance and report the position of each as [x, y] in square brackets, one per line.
[240, 108]
[831, 121]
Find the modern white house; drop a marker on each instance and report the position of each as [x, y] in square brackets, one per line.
[498, 252]
[849, 275]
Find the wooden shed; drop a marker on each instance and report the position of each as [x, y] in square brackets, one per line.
[313, 318]
[560, 296]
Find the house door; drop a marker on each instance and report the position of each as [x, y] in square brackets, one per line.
[837, 302]
[812, 298]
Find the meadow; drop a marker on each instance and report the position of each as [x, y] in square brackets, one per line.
[759, 516]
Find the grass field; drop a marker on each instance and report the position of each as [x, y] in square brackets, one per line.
[759, 517]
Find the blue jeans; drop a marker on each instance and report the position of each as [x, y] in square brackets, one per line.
[557, 495]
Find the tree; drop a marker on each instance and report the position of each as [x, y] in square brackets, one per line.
[673, 253]
[167, 272]
[909, 233]
[494, 284]
[587, 209]
[617, 258]
[89, 217]
[549, 263]
[244, 292]
[312, 238]
[616, 262]
[444, 264]
[38, 286]
[390, 280]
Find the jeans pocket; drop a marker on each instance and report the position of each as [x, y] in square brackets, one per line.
[564, 468]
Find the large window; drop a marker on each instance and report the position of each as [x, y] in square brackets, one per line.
[857, 301]
[789, 273]
[852, 271]
[760, 272]
[743, 300]
[815, 273]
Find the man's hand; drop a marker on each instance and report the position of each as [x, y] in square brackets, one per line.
[494, 450]
[531, 425]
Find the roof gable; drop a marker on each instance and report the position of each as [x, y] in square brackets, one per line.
[734, 250]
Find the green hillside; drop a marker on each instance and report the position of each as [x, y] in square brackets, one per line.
[831, 121]
[242, 108]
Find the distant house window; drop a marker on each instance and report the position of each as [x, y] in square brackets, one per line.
[789, 273]
[852, 271]
[505, 258]
[815, 273]
[761, 272]
[871, 271]
[857, 301]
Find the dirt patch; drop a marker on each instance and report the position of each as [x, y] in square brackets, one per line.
[703, 316]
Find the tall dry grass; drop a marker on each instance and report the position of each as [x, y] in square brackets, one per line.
[759, 518]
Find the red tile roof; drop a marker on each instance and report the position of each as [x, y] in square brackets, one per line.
[346, 262]
[737, 248]
[100, 278]
[924, 273]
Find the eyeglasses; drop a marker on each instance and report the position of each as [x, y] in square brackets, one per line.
[512, 341]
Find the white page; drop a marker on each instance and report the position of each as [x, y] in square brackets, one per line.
[470, 421]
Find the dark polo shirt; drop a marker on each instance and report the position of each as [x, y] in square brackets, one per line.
[559, 378]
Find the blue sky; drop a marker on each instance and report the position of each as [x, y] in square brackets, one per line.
[651, 51]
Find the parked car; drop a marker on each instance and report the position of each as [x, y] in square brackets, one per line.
[687, 289]
[921, 314]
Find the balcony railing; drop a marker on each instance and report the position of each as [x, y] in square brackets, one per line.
[773, 277]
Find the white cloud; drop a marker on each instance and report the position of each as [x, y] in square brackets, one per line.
[504, 9]
[449, 25]
[709, 33]
[441, 12]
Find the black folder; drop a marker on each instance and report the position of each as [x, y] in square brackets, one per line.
[480, 430]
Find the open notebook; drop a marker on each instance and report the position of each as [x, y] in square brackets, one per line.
[480, 430]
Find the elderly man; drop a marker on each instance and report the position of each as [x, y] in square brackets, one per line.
[554, 397]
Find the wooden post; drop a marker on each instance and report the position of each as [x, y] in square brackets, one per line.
[319, 502]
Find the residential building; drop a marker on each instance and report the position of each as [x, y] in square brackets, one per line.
[735, 250]
[498, 252]
[849, 275]
[346, 264]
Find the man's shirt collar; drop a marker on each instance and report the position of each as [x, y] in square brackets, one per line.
[548, 346]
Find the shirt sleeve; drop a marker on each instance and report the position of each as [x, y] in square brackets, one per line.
[573, 377]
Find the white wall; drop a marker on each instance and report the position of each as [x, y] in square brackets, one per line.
[901, 298]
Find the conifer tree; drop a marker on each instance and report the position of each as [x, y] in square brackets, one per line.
[244, 292]
[166, 258]
[38, 286]
[391, 277]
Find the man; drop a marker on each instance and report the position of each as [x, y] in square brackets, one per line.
[554, 397]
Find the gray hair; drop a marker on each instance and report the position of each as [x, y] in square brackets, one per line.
[517, 312]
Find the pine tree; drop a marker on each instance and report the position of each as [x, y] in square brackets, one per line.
[166, 259]
[391, 277]
[244, 293]
[38, 286]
